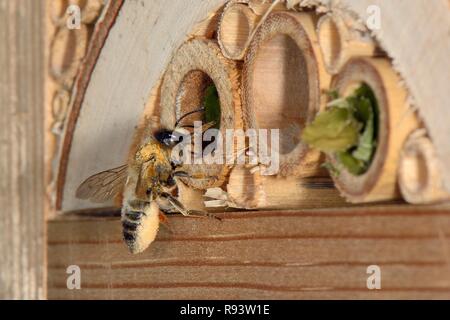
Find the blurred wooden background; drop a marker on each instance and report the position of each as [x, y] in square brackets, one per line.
[22, 224]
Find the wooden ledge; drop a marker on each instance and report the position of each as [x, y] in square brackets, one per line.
[257, 255]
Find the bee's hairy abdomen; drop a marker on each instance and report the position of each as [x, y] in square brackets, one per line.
[129, 237]
[139, 228]
[133, 216]
[130, 223]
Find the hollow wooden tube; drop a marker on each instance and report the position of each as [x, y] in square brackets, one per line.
[237, 24]
[197, 64]
[338, 43]
[284, 85]
[57, 11]
[250, 190]
[68, 48]
[59, 108]
[260, 7]
[235, 27]
[420, 171]
[89, 11]
[395, 122]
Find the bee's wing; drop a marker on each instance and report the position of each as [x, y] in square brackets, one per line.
[104, 185]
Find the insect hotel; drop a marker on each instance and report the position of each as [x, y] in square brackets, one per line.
[315, 159]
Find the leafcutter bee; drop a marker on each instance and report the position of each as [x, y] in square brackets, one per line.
[147, 182]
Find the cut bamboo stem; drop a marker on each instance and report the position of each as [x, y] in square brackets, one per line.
[57, 12]
[235, 27]
[238, 23]
[260, 7]
[395, 122]
[68, 48]
[59, 107]
[284, 84]
[206, 28]
[89, 11]
[196, 65]
[339, 43]
[250, 190]
[420, 171]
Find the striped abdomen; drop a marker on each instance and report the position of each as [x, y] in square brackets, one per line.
[130, 224]
[140, 228]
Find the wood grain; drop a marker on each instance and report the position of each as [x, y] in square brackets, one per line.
[22, 224]
[256, 255]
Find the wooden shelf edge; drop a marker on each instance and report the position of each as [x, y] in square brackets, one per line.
[255, 255]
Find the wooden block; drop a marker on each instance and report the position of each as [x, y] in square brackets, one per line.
[22, 221]
[257, 255]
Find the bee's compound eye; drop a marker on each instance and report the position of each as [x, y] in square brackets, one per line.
[149, 192]
[171, 181]
[166, 137]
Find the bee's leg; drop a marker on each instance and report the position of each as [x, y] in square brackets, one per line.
[181, 174]
[185, 212]
[184, 174]
[200, 213]
[165, 222]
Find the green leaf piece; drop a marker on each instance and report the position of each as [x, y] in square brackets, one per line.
[348, 129]
[212, 106]
[333, 130]
[366, 144]
[331, 168]
[333, 94]
[352, 164]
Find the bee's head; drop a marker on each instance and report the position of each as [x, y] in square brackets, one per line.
[167, 137]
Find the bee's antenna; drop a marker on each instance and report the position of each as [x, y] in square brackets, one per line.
[187, 114]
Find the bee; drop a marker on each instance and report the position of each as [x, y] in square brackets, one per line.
[147, 182]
